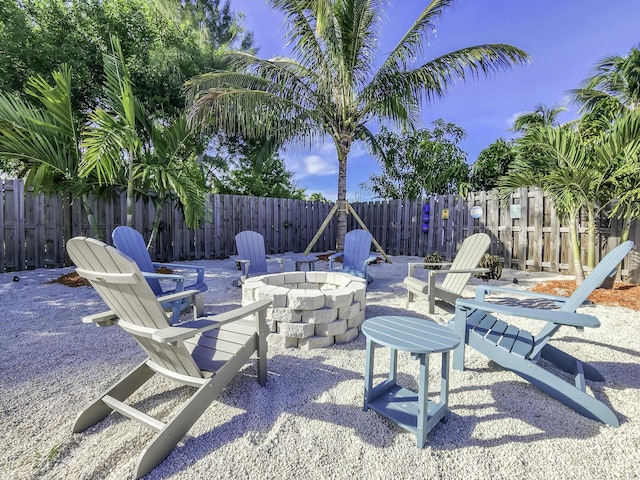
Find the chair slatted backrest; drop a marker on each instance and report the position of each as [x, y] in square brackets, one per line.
[121, 285]
[469, 256]
[130, 242]
[605, 268]
[250, 246]
[357, 246]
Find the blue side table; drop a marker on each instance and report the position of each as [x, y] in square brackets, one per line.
[407, 409]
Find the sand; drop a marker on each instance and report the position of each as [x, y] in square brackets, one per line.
[308, 421]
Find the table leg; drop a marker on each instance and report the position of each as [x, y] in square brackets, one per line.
[368, 373]
[444, 386]
[423, 401]
[393, 365]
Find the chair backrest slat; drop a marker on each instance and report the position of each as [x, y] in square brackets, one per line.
[469, 256]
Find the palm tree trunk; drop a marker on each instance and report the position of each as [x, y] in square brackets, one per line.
[156, 223]
[93, 224]
[342, 198]
[575, 248]
[130, 197]
[591, 238]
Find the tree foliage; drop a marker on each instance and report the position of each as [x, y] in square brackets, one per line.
[244, 166]
[420, 162]
[164, 41]
[492, 163]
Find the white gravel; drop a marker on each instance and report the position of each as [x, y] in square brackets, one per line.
[307, 423]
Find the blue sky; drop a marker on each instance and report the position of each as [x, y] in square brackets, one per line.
[565, 39]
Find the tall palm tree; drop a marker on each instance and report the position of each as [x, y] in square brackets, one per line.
[337, 84]
[44, 137]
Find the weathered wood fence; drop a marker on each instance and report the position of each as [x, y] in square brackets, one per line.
[526, 233]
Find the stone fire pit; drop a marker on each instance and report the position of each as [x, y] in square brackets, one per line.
[310, 309]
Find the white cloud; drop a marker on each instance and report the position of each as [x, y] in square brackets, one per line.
[316, 165]
[512, 119]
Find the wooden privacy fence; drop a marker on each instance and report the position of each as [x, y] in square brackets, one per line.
[525, 233]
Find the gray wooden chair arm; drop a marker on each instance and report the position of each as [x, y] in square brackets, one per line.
[483, 290]
[559, 318]
[190, 329]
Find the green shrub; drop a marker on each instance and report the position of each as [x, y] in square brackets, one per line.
[435, 257]
[492, 262]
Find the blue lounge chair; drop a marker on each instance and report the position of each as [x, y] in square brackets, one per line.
[252, 255]
[130, 242]
[356, 255]
[478, 323]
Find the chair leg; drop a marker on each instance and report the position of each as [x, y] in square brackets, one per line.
[569, 363]
[568, 394]
[165, 440]
[122, 390]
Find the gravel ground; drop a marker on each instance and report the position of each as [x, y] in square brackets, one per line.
[308, 421]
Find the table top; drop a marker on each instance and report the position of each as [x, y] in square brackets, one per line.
[410, 334]
[303, 258]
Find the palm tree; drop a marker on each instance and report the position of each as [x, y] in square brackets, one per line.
[123, 145]
[334, 87]
[606, 97]
[44, 137]
[541, 116]
[613, 87]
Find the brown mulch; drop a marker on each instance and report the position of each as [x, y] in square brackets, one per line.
[622, 294]
[71, 280]
[74, 280]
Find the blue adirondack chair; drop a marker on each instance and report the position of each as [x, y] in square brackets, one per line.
[130, 242]
[356, 255]
[478, 323]
[252, 255]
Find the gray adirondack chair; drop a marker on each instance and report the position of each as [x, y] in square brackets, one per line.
[252, 255]
[456, 276]
[130, 242]
[220, 344]
[356, 255]
[478, 323]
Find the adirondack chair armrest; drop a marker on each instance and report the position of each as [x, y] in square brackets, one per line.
[173, 266]
[462, 270]
[578, 320]
[333, 257]
[483, 290]
[244, 266]
[164, 276]
[178, 296]
[413, 265]
[102, 319]
[189, 329]
[279, 260]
